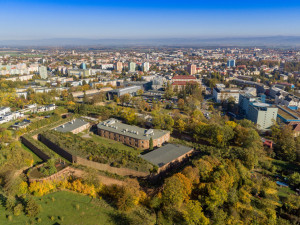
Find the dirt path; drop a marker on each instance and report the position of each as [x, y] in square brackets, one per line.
[103, 179]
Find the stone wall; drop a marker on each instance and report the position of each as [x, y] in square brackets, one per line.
[108, 168]
[60, 175]
[62, 152]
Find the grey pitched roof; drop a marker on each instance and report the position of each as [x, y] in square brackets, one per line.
[70, 126]
[116, 126]
[166, 154]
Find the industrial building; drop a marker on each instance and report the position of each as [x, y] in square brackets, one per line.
[145, 85]
[132, 90]
[132, 135]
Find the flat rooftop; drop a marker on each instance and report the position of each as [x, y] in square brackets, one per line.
[70, 126]
[130, 88]
[261, 104]
[116, 126]
[288, 113]
[166, 154]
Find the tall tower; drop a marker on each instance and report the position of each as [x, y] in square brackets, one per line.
[191, 69]
[146, 66]
[119, 66]
[131, 66]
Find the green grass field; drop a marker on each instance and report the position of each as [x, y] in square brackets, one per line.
[71, 208]
[37, 160]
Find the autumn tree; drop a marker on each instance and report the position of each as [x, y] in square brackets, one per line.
[193, 214]
[176, 190]
[286, 146]
[180, 104]
[126, 98]
[129, 195]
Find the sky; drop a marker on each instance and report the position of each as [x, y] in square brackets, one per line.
[115, 19]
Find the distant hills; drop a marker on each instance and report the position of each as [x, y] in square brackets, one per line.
[271, 41]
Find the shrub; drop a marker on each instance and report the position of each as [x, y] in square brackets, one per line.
[10, 203]
[18, 209]
[32, 208]
[9, 217]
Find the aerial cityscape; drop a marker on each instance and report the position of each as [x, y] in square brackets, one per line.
[150, 114]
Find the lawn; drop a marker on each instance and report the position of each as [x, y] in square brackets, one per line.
[111, 143]
[76, 209]
[285, 191]
[36, 159]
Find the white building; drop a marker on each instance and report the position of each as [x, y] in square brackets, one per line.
[146, 66]
[221, 94]
[43, 72]
[131, 66]
[4, 110]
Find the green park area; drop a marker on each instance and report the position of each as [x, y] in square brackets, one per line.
[72, 208]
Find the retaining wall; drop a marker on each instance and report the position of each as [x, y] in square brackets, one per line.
[62, 174]
[34, 149]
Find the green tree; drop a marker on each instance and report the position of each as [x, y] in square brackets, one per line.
[180, 125]
[151, 144]
[125, 99]
[169, 91]
[286, 146]
[18, 209]
[32, 209]
[10, 203]
[140, 92]
[295, 179]
[193, 214]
